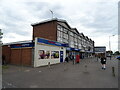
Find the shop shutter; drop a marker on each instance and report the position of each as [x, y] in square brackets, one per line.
[26, 56]
[15, 56]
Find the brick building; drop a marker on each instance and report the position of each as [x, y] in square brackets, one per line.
[60, 31]
[18, 53]
[56, 31]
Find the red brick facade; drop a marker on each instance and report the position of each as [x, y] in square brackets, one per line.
[6, 51]
[17, 56]
[21, 56]
[46, 30]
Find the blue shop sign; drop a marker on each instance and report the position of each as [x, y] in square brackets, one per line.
[22, 45]
[73, 49]
[40, 40]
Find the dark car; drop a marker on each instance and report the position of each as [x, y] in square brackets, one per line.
[118, 57]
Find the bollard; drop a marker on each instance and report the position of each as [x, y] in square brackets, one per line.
[49, 65]
[73, 62]
[85, 68]
[65, 66]
[113, 71]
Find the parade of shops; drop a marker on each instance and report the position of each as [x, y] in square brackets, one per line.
[52, 41]
[100, 51]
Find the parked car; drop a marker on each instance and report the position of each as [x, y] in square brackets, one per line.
[118, 57]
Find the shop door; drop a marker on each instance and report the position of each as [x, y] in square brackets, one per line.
[61, 56]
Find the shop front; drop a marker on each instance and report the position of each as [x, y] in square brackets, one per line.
[39, 53]
[73, 53]
[82, 54]
[48, 52]
[18, 53]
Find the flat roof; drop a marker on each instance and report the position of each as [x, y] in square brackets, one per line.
[100, 46]
[49, 20]
[18, 42]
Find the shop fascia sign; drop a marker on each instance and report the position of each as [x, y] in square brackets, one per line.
[49, 42]
[22, 45]
[73, 49]
[100, 49]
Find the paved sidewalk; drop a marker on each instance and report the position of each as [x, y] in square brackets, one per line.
[86, 74]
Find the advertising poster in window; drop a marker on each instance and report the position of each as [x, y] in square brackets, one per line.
[44, 54]
[54, 54]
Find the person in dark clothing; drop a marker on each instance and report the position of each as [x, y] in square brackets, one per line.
[73, 59]
[3, 60]
[66, 59]
[103, 62]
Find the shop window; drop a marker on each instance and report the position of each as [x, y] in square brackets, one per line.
[54, 54]
[43, 54]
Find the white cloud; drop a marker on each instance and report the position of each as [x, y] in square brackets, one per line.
[13, 37]
[97, 19]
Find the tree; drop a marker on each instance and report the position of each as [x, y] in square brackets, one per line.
[117, 53]
[110, 52]
[1, 36]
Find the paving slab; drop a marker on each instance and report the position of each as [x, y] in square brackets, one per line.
[86, 74]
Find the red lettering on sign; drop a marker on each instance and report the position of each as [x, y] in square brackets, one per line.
[18, 45]
[51, 42]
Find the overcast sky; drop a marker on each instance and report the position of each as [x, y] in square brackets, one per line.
[97, 19]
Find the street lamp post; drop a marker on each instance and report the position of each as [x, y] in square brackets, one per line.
[110, 44]
[51, 13]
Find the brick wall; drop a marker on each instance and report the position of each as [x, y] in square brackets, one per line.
[46, 30]
[6, 52]
[17, 56]
[21, 56]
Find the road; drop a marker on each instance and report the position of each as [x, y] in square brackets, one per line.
[86, 74]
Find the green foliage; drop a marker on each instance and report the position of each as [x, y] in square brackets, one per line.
[1, 34]
[111, 52]
[117, 53]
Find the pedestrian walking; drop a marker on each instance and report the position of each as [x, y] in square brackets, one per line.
[73, 58]
[110, 57]
[103, 62]
[66, 59]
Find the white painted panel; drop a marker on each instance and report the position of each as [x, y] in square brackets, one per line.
[42, 62]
